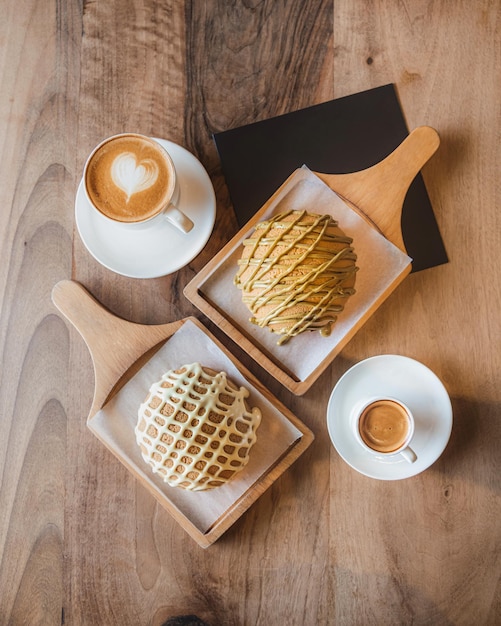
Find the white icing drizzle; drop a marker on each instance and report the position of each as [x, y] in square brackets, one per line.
[194, 428]
[131, 176]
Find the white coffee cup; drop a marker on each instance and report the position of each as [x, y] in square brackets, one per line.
[384, 427]
[130, 179]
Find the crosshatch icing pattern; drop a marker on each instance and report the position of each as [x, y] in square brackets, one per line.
[194, 428]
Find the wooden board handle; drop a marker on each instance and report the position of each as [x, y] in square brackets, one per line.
[379, 191]
[114, 344]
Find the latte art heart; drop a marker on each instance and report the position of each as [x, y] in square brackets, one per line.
[131, 176]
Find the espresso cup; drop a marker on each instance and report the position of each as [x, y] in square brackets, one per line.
[384, 427]
[131, 180]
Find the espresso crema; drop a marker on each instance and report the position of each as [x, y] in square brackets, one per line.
[130, 178]
[384, 426]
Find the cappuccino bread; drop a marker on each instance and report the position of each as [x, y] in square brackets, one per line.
[130, 178]
[296, 272]
[194, 428]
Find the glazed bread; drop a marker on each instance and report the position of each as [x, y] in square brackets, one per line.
[296, 272]
[194, 428]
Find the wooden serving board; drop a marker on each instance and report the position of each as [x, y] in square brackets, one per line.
[124, 355]
[376, 195]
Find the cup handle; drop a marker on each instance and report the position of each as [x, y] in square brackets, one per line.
[178, 219]
[409, 454]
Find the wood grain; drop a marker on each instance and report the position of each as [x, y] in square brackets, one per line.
[80, 541]
[115, 345]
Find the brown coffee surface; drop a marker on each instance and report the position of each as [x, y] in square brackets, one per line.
[130, 178]
[384, 426]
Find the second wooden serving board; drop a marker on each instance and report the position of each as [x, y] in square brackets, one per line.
[127, 359]
[368, 207]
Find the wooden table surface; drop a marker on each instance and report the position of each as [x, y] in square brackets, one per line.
[81, 542]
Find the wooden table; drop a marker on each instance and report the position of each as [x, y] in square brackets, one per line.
[80, 541]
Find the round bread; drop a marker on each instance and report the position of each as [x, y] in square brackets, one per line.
[194, 428]
[296, 272]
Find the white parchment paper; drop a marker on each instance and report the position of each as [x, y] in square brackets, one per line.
[379, 262]
[115, 423]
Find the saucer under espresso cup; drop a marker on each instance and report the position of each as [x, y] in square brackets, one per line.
[411, 383]
[157, 248]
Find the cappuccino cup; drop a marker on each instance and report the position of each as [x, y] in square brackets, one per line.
[131, 180]
[384, 427]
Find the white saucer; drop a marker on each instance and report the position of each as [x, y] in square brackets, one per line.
[160, 249]
[404, 379]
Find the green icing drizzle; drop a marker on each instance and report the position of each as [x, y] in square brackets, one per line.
[305, 272]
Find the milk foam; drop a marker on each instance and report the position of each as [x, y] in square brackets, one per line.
[131, 176]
